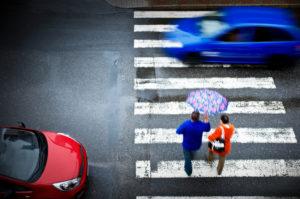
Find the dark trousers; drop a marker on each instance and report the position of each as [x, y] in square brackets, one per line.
[220, 163]
[188, 157]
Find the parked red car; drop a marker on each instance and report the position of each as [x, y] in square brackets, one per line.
[41, 165]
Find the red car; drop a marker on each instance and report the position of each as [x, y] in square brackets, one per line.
[41, 165]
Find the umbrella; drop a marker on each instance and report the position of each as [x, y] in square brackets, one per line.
[207, 101]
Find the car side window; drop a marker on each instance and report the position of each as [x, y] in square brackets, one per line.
[269, 34]
[244, 34]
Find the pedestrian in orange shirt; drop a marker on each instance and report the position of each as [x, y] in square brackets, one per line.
[227, 129]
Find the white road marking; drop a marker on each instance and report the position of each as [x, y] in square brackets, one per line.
[138, 43]
[242, 107]
[168, 62]
[155, 28]
[214, 197]
[213, 82]
[233, 168]
[158, 62]
[170, 14]
[242, 135]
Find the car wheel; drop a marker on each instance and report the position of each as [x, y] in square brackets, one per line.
[280, 61]
[192, 58]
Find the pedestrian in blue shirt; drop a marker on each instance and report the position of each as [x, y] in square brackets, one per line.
[192, 131]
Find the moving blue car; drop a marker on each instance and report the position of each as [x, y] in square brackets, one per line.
[238, 35]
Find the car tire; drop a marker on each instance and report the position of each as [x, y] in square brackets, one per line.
[280, 61]
[192, 58]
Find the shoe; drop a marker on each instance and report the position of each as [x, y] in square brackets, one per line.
[207, 161]
[188, 173]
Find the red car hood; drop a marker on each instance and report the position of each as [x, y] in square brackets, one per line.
[63, 161]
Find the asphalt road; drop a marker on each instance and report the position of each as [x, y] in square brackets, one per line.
[69, 66]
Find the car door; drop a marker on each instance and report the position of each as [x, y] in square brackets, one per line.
[14, 190]
[233, 46]
[274, 41]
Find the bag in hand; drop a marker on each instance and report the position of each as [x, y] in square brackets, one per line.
[218, 144]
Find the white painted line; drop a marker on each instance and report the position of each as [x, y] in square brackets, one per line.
[232, 168]
[168, 62]
[138, 43]
[170, 14]
[177, 108]
[213, 82]
[242, 135]
[158, 62]
[154, 28]
[214, 197]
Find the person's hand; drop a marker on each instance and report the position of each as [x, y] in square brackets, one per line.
[206, 117]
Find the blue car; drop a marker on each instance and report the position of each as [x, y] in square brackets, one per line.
[238, 35]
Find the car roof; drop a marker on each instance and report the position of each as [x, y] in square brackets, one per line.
[257, 15]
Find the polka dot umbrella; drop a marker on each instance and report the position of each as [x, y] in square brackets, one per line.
[207, 101]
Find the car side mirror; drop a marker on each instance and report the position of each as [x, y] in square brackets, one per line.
[21, 124]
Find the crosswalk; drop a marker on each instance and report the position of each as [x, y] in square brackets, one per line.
[173, 169]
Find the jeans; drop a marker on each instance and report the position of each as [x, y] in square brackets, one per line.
[188, 157]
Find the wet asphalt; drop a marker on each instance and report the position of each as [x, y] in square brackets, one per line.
[67, 66]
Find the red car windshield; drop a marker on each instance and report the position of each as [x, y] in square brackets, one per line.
[21, 154]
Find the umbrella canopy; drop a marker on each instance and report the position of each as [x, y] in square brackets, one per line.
[207, 101]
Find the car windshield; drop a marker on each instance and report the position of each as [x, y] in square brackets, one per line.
[20, 153]
[211, 24]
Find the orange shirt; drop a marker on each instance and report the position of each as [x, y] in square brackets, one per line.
[228, 132]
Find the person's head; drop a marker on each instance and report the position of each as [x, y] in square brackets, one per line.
[224, 119]
[195, 116]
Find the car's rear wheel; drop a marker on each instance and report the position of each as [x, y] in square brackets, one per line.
[192, 58]
[280, 61]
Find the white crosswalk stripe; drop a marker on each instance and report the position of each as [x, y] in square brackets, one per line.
[154, 28]
[234, 168]
[168, 62]
[170, 14]
[242, 135]
[241, 107]
[139, 43]
[213, 82]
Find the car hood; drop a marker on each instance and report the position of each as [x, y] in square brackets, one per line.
[64, 159]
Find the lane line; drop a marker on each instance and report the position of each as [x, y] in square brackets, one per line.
[213, 82]
[233, 168]
[170, 14]
[214, 197]
[168, 62]
[154, 28]
[139, 43]
[177, 108]
[242, 135]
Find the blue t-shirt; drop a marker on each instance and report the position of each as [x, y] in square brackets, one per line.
[192, 133]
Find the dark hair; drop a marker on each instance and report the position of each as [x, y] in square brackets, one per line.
[195, 116]
[225, 119]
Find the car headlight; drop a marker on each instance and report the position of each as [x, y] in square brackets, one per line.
[67, 185]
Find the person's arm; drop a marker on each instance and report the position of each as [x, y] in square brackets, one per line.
[206, 118]
[216, 134]
[206, 127]
[180, 129]
[206, 123]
